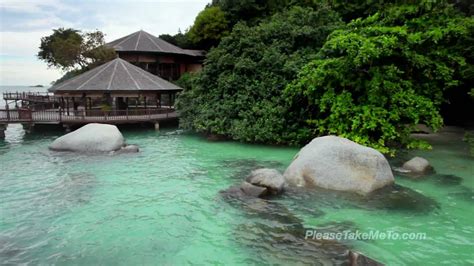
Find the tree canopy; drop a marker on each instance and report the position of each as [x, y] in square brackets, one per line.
[239, 92]
[73, 50]
[376, 79]
[303, 72]
[208, 28]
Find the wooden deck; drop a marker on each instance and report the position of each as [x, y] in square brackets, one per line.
[84, 117]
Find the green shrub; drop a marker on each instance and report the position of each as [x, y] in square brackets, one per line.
[379, 77]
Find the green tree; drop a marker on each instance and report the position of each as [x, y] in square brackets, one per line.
[208, 28]
[239, 91]
[380, 76]
[180, 39]
[70, 49]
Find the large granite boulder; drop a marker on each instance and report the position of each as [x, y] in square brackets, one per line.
[417, 165]
[267, 178]
[90, 138]
[336, 163]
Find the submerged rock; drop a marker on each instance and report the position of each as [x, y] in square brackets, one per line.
[336, 163]
[400, 198]
[270, 179]
[357, 258]
[90, 138]
[252, 190]
[242, 167]
[392, 198]
[447, 180]
[465, 193]
[128, 149]
[277, 235]
[417, 166]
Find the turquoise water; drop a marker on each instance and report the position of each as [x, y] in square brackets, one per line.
[163, 206]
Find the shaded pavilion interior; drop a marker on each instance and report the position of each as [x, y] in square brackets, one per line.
[115, 86]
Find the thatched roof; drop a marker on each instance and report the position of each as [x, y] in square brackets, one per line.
[116, 75]
[142, 41]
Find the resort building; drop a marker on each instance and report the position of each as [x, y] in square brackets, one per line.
[157, 56]
[116, 92]
[117, 85]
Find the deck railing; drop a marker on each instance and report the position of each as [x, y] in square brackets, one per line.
[47, 97]
[84, 116]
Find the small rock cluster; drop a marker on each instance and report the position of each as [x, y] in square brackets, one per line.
[260, 183]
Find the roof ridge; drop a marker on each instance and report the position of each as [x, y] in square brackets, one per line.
[95, 75]
[157, 46]
[63, 83]
[128, 72]
[126, 38]
[138, 39]
[113, 74]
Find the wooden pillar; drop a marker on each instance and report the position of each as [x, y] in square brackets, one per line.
[126, 102]
[74, 107]
[84, 102]
[144, 99]
[3, 128]
[67, 105]
[62, 104]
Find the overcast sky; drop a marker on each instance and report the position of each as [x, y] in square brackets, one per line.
[23, 23]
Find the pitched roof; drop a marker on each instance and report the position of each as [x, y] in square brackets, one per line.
[142, 41]
[116, 75]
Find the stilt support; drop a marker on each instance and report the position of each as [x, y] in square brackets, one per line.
[28, 127]
[67, 128]
[157, 126]
[3, 127]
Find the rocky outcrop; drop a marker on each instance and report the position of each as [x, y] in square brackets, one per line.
[336, 163]
[270, 179]
[90, 138]
[259, 184]
[417, 166]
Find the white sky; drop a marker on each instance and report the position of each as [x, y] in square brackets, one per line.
[24, 22]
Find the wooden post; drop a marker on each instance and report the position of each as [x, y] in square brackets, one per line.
[144, 99]
[8, 112]
[67, 105]
[3, 128]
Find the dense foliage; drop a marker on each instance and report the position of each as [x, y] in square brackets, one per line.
[239, 92]
[70, 49]
[372, 81]
[380, 76]
[74, 51]
[208, 28]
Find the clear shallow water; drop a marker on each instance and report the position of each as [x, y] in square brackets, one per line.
[162, 206]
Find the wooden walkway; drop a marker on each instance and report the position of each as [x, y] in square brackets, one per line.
[84, 117]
